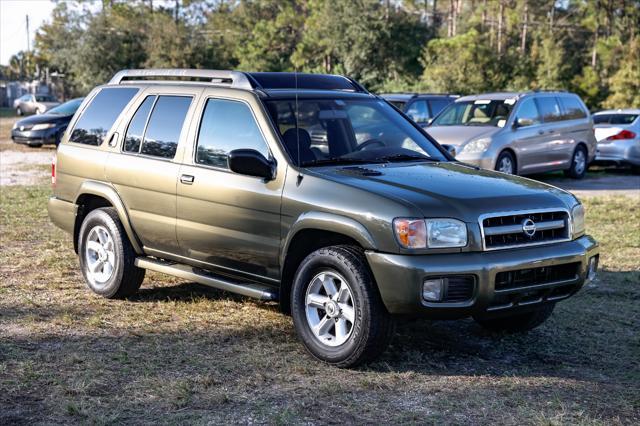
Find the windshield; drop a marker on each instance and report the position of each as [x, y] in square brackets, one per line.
[45, 98]
[348, 131]
[475, 113]
[67, 108]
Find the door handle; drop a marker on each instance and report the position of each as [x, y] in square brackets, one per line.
[187, 179]
[541, 132]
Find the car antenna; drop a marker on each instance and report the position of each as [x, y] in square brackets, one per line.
[295, 76]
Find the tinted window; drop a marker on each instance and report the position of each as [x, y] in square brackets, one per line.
[67, 108]
[418, 111]
[572, 108]
[45, 98]
[227, 125]
[100, 115]
[165, 125]
[529, 110]
[438, 105]
[135, 132]
[614, 118]
[549, 109]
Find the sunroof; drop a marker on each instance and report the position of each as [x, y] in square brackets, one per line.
[269, 80]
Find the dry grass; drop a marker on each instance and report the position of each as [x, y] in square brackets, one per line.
[180, 352]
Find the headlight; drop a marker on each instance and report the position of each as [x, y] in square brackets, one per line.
[577, 217]
[477, 145]
[430, 233]
[411, 233]
[446, 233]
[43, 126]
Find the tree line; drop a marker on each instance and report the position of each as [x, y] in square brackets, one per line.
[591, 47]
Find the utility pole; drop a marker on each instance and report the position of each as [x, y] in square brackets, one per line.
[28, 38]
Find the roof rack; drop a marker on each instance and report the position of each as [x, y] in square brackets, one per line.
[243, 80]
[227, 78]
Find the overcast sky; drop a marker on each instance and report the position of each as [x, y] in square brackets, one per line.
[13, 28]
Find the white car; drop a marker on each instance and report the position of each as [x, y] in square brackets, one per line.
[34, 104]
[618, 135]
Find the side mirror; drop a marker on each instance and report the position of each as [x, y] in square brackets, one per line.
[251, 163]
[522, 122]
[450, 149]
[429, 121]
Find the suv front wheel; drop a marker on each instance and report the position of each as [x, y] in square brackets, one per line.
[106, 255]
[336, 308]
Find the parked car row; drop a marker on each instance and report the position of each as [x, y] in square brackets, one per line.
[526, 132]
[46, 128]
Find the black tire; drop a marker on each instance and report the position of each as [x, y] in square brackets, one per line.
[506, 157]
[372, 328]
[519, 323]
[19, 112]
[125, 278]
[577, 171]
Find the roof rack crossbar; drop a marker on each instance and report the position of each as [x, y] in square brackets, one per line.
[233, 79]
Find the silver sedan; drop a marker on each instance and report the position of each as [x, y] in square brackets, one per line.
[618, 135]
[34, 104]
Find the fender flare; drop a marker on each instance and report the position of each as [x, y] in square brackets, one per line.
[109, 193]
[330, 222]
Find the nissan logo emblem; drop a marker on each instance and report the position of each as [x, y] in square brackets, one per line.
[529, 227]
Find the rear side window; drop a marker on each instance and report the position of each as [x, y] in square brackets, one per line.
[135, 132]
[418, 111]
[99, 116]
[227, 125]
[549, 109]
[614, 118]
[157, 134]
[572, 108]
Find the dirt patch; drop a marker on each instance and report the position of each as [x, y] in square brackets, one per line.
[24, 168]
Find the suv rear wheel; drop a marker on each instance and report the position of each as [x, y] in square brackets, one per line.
[578, 164]
[107, 257]
[518, 323]
[336, 308]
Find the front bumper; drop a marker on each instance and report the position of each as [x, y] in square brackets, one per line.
[484, 160]
[35, 137]
[400, 278]
[621, 152]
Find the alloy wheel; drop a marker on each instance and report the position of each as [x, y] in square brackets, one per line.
[100, 256]
[329, 308]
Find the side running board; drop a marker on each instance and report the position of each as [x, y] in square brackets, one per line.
[201, 276]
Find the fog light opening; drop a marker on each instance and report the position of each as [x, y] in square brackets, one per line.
[592, 270]
[433, 289]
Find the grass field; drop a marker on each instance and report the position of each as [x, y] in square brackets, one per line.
[182, 353]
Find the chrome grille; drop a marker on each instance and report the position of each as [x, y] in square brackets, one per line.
[524, 228]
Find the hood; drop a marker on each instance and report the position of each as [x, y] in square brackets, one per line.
[459, 135]
[44, 118]
[450, 189]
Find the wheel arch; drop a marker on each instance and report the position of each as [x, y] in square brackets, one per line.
[93, 195]
[311, 232]
[511, 151]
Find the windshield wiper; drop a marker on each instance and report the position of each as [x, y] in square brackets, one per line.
[339, 160]
[406, 157]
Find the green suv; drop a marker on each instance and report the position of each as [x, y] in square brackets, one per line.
[307, 190]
